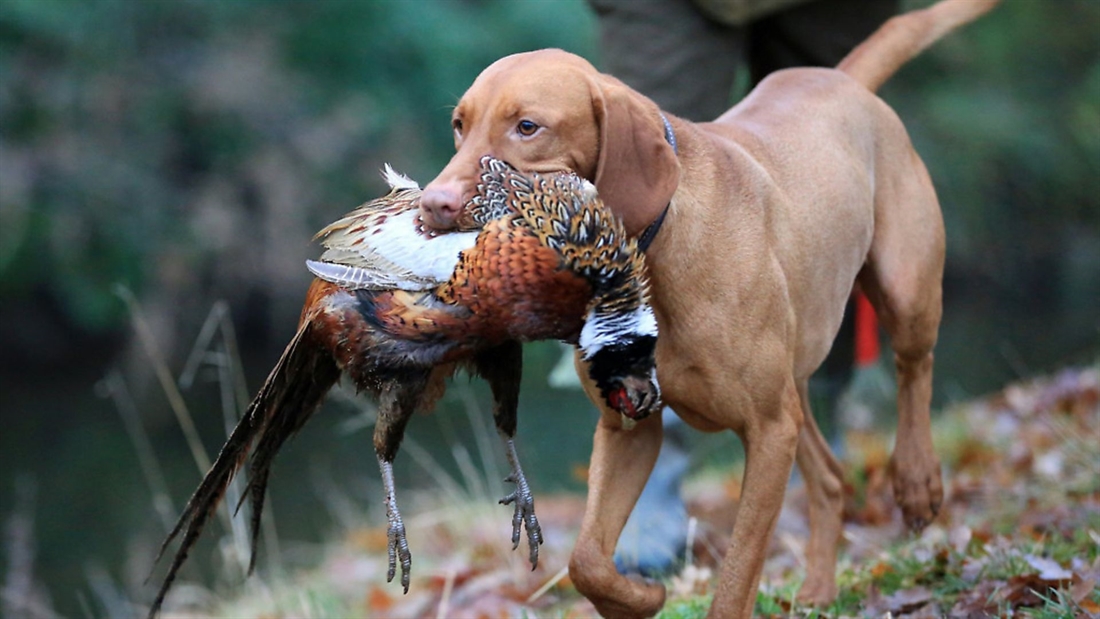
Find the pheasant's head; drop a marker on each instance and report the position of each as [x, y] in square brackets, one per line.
[634, 398]
[620, 351]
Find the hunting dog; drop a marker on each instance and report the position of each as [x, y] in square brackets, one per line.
[771, 215]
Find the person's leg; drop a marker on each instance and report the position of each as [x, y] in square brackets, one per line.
[668, 51]
[814, 34]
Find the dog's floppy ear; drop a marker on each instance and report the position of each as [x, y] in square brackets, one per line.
[637, 170]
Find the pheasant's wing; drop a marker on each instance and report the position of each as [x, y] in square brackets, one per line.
[384, 245]
[411, 316]
[389, 254]
[509, 285]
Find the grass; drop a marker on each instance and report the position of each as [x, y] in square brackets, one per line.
[686, 608]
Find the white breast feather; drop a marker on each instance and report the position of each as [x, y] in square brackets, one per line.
[427, 258]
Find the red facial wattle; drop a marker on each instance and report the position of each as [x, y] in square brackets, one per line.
[620, 401]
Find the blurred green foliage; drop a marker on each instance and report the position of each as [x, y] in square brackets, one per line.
[1007, 116]
[190, 149]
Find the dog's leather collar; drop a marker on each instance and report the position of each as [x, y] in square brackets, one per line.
[647, 236]
[670, 135]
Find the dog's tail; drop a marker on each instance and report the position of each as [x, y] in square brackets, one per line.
[901, 38]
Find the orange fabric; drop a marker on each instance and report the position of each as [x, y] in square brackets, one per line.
[868, 346]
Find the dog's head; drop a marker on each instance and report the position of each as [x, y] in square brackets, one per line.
[551, 111]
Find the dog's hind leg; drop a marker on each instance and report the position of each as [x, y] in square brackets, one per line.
[903, 279]
[823, 477]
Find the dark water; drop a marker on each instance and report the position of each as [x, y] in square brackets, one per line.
[94, 514]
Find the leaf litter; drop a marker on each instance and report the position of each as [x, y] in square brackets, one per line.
[1018, 535]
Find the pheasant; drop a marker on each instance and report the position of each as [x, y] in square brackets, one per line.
[398, 308]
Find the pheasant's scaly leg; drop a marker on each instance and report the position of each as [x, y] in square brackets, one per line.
[397, 400]
[398, 545]
[525, 505]
[502, 367]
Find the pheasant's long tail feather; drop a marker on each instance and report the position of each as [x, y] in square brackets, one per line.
[901, 38]
[291, 393]
[314, 374]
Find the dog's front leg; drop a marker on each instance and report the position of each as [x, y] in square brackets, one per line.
[771, 439]
[621, 462]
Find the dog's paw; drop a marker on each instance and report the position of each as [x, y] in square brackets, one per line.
[613, 594]
[817, 590]
[918, 488]
[632, 599]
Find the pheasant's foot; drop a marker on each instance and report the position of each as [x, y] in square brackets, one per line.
[398, 546]
[524, 514]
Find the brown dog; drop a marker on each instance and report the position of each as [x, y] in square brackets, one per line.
[774, 211]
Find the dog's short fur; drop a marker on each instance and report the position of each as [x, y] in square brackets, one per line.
[806, 188]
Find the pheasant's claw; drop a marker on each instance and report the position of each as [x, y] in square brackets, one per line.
[517, 518]
[398, 547]
[524, 514]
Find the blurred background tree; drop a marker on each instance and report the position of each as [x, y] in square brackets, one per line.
[189, 150]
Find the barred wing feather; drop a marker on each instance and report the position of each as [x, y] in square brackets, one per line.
[383, 245]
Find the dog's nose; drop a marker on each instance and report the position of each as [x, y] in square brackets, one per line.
[441, 204]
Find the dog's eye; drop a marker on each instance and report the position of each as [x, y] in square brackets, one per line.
[527, 128]
[457, 125]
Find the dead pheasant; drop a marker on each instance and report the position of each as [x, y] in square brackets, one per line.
[398, 308]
